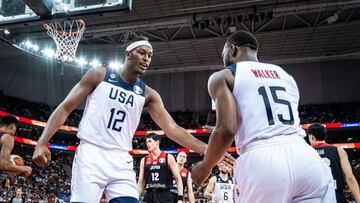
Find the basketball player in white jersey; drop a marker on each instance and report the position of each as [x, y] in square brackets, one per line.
[220, 188]
[115, 101]
[256, 104]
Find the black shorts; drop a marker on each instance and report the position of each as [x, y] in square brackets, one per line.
[162, 196]
[340, 197]
[175, 197]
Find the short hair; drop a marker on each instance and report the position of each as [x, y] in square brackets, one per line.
[243, 39]
[132, 37]
[318, 131]
[8, 120]
[154, 136]
[181, 151]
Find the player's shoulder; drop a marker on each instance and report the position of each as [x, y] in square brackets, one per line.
[341, 152]
[223, 73]
[94, 76]
[6, 138]
[151, 94]
[169, 156]
[213, 179]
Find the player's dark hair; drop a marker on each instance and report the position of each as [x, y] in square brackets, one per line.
[154, 136]
[243, 39]
[8, 120]
[318, 131]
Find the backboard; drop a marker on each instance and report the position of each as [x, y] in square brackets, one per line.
[22, 11]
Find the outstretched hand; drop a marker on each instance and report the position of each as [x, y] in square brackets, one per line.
[228, 160]
[200, 173]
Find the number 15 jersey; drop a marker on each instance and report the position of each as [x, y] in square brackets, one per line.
[267, 101]
[112, 113]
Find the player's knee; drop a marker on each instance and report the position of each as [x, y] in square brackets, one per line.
[124, 200]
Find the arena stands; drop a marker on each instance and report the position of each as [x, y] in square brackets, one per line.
[55, 179]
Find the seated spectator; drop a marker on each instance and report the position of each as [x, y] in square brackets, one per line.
[18, 196]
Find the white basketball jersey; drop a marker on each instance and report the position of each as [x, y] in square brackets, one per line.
[224, 189]
[267, 102]
[112, 113]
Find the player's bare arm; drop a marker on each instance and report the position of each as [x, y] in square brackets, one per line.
[209, 188]
[7, 145]
[190, 189]
[175, 172]
[78, 93]
[349, 176]
[141, 176]
[162, 118]
[220, 89]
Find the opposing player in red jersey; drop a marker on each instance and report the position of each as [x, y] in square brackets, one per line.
[156, 173]
[186, 179]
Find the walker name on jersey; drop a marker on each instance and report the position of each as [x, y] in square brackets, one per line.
[122, 97]
[271, 74]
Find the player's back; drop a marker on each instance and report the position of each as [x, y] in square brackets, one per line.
[224, 189]
[267, 101]
[112, 113]
[331, 157]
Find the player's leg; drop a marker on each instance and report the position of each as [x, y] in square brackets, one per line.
[263, 174]
[163, 197]
[121, 177]
[87, 185]
[314, 182]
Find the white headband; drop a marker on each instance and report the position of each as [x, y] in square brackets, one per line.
[137, 44]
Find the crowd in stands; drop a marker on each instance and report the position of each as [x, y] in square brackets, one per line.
[55, 178]
[343, 112]
[52, 180]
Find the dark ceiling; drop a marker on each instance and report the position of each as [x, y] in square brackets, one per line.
[189, 35]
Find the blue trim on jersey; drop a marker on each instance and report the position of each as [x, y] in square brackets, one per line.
[112, 77]
[220, 180]
[232, 68]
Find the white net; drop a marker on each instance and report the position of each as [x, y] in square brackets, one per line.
[66, 35]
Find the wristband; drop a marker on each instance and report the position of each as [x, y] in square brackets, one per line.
[180, 197]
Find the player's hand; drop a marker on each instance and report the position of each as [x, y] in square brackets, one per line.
[28, 170]
[208, 128]
[200, 173]
[228, 160]
[215, 198]
[41, 155]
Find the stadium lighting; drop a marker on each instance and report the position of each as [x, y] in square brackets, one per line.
[114, 65]
[6, 31]
[81, 61]
[66, 8]
[28, 44]
[95, 63]
[48, 52]
[35, 47]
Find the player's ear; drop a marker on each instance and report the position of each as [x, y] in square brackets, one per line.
[233, 50]
[127, 55]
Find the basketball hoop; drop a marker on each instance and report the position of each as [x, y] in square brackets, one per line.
[66, 35]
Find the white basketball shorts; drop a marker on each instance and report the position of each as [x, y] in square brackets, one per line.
[282, 169]
[97, 170]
